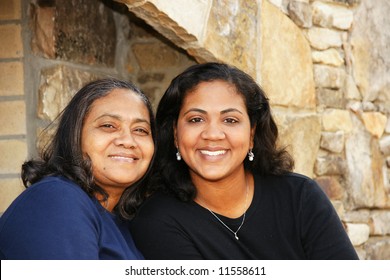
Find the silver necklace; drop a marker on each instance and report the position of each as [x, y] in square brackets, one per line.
[243, 217]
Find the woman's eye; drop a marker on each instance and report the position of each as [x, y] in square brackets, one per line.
[231, 120]
[196, 120]
[107, 125]
[141, 131]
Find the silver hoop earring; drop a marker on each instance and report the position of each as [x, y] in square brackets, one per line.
[178, 155]
[251, 155]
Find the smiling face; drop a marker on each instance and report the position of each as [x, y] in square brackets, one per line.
[213, 131]
[117, 137]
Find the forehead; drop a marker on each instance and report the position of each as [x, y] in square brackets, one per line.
[215, 93]
[123, 101]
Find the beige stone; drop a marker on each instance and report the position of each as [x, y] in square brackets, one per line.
[324, 38]
[361, 216]
[11, 41]
[355, 106]
[384, 144]
[330, 15]
[58, 85]
[358, 233]
[365, 176]
[351, 90]
[11, 79]
[331, 186]
[13, 154]
[329, 76]
[277, 3]
[375, 123]
[387, 129]
[43, 41]
[300, 13]
[154, 56]
[369, 106]
[329, 57]
[330, 165]
[380, 222]
[378, 248]
[286, 64]
[209, 33]
[369, 39]
[232, 33]
[333, 141]
[9, 190]
[330, 98]
[336, 119]
[189, 15]
[13, 117]
[10, 9]
[301, 135]
[169, 27]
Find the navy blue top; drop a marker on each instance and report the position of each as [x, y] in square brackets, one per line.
[56, 219]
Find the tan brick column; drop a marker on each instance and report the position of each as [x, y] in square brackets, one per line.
[13, 147]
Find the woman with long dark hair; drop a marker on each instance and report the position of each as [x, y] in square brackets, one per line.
[227, 189]
[88, 182]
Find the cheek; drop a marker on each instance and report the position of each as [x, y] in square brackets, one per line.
[147, 148]
[150, 151]
[185, 134]
[185, 139]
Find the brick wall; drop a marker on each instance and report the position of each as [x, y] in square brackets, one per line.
[13, 146]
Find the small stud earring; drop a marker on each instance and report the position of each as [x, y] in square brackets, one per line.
[251, 155]
[178, 155]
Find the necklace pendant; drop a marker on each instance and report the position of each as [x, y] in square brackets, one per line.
[235, 235]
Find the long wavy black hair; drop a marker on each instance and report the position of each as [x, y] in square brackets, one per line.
[63, 155]
[269, 159]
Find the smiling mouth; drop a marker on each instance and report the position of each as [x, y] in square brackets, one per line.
[213, 153]
[124, 158]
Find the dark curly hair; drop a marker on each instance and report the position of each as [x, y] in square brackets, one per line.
[175, 174]
[63, 155]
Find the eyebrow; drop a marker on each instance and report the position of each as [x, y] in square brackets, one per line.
[229, 110]
[137, 120]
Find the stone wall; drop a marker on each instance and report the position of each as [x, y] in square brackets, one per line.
[325, 67]
[49, 49]
[351, 66]
[324, 64]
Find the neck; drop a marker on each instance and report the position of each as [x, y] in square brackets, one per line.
[108, 204]
[229, 197]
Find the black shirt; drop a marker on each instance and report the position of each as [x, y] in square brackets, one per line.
[290, 217]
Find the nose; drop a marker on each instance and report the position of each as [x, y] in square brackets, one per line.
[125, 139]
[213, 131]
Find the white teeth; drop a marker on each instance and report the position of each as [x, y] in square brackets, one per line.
[119, 157]
[212, 153]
